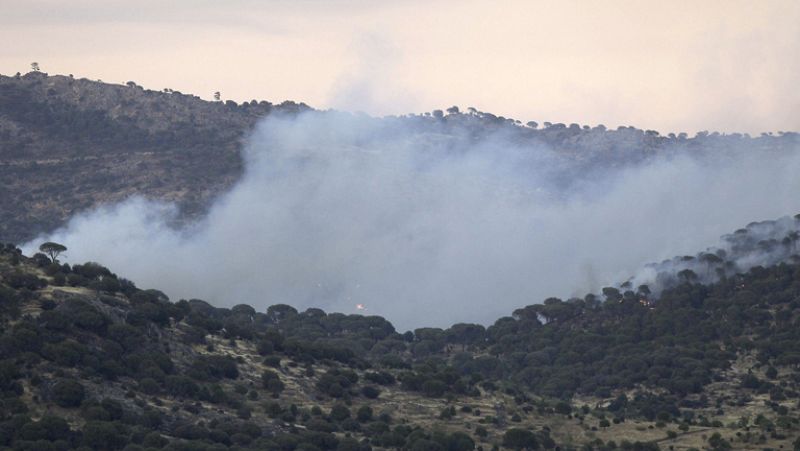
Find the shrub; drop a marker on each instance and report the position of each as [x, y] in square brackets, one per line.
[215, 367]
[370, 392]
[433, 388]
[379, 377]
[66, 353]
[183, 386]
[101, 435]
[339, 413]
[154, 440]
[364, 414]
[563, 408]
[19, 280]
[68, 393]
[520, 439]
[335, 382]
[272, 382]
[273, 361]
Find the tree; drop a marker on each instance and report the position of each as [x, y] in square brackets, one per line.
[53, 250]
[716, 442]
[279, 312]
[687, 275]
[104, 435]
[35, 66]
[364, 414]
[271, 381]
[612, 294]
[710, 260]
[520, 439]
[792, 238]
[459, 441]
[68, 393]
[217, 96]
[339, 413]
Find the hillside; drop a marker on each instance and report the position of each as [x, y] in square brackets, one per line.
[68, 144]
[90, 360]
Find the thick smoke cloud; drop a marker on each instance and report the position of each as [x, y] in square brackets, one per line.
[428, 228]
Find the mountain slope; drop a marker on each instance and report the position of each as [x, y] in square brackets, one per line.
[90, 360]
[69, 144]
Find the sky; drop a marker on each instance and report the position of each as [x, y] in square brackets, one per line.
[728, 66]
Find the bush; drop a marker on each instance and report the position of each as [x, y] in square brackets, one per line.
[181, 386]
[433, 388]
[49, 428]
[19, 280]
[339, 413]
[335, 382]
[520, 439]
[85, 316]
[68, 393]
[101, 435]
[271, 381]
[65, 353]
[154, 440]
[215, 367]
[273, 361]
[379, 377]
[364, 414]
[458, 441]
[750, 381]
[370, 392]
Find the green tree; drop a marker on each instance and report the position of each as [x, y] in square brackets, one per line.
[716, 442]
[53, 250]
[520, 439]
[271, 381]
[68, 393]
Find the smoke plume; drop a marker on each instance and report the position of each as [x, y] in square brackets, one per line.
[429, 225]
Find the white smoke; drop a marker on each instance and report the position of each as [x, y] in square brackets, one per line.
[763, 243]
[428, 226]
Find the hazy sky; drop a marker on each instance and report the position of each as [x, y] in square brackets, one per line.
[672, 66]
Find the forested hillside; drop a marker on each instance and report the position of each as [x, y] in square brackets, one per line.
[69, 144]
[90, 361]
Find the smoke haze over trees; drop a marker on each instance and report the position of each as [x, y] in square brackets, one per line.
[428, 221]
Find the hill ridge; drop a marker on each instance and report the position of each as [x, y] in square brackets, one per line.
[69, 145]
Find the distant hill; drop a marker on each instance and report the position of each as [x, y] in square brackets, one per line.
[90, 361]
[67, 145]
